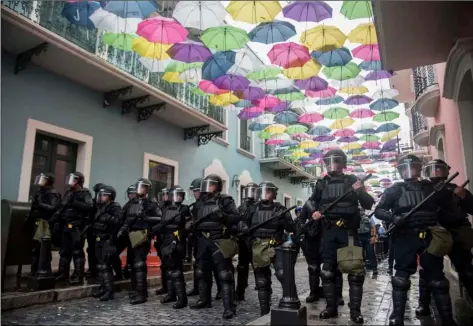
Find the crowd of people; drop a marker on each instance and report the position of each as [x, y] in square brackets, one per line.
[333, 229]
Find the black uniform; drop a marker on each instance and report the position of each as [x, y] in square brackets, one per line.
[193, 239]
[364, 233]
[244, 253]
[158, 245]
[91, 258]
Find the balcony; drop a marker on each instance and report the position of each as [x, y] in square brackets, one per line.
[420, 128]
[245, 142]
[426, 90]
[35, 31]
[277, 160]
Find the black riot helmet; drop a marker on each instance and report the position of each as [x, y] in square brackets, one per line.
[195, 187]
[74, 179]
[131, 192]
[211, 184]
[249, 191]
[409, 167]
[44, 180]
[436, 170]
[143, 187]
[106, 194]
[335, 161]
[164, 195]
[97, 188]
[266, 191]
[178, 194]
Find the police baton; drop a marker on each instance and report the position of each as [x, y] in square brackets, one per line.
[437, 188]
[465, 184]
[257, 226]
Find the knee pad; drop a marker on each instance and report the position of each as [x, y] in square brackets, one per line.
[199, 274]
[279, 274]
[313, 269]
[225, 276]
[77, 253]
[440, 285]
[168, 274]
[401, 283]
[139, 266]
[102, 267]
[263, 283]
[357, 279]
[176, 274]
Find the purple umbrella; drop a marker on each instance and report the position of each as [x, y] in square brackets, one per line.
[358, 100]
[349, 139]
[324, 138]
[279, 108]
[314, 84]
[308, 11]
[251, 93]
[189, 52]
[361, 157]
[385, 180]
[250, 113]
[232, 82]
[389, 145]
[317, 155]
[377, 75]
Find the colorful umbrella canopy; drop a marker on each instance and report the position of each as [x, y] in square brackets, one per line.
[358, 100]
[272, 32]
[232, 82]
[308, 70]
[350, 70]
[122, 41]
[344, 133]
[286, 117]
[357, 9]
[307, 144]
[312, 83]
[200, 14]
[377, 75]
[161, 30]
[132, 9]
[78, 13]
[150, 49]
[296, 129]
[335, 57]
[336, 113]
[386, 116]
[387, 127]
[370, 65]
[276, 129]
[250, 113]
[189, 52]
[251, 93]
[385, 93]
[361, 114]
[367, 52]
[253, 12]
[289, 55]
[310, 117]
[342, 123]
[208, 87]
[218, 65]
[278, 139]
[225, 38]
[330, 100]
[308, 11]
[383, 104]
[323, 38]
[264, 74]
[324, 138]
[364, 33]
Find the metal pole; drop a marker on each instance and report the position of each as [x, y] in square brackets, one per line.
[44, 278]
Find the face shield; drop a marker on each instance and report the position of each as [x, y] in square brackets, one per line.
[409, 170]
[265, 193]
[41, 180]
[164, 196]
[104, 196]
[249, 192]
[334, 163]
[196, 194]
[178, 196]
[208, 186]
[436, 171]
[142, 188]
[131, 193]
[72, 180]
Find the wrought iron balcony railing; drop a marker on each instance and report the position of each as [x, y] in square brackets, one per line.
[424, 78]
[245, 142]
[48, 15]
[419, 123]
[271, 151]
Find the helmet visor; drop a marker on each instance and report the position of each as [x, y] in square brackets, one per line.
[164, 195]
[208, 186]
[265, 193]
[334, 163]
[72, 180]
[249, 192]
[104, 196]
[142, 188]
[409, 170]
[436, 171]
[41, 180]
[178, 196]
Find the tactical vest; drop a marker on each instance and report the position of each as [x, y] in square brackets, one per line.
[365, 225]
[170, 213]
[137, 206]
[333, 188]
[72, 215]
[101, 224]
[454, 215]
[212, 223]
[263, 213]
[47, 196]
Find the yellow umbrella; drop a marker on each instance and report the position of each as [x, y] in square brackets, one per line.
[275, 129]
[364, 34]
[299, 154]
[254, 11]
[354, 90]
[223, 99]
[309, 69]
[172, 77]
[308, 144]
[150, 49]
[323, 38]
[349, 146]
[359, 154]
[342, 123]
[390, 135]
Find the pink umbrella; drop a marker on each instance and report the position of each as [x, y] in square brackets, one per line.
[388, 154]
[369, 52]
[208, 87]
[361, 113]
[267, 102]
[344, 133]
[371, 145]
[250, 113]
[330, 91]
[310, 117]
[289, 55]
[278, 108]
[162, 30]
[329, 148]
[301, 135]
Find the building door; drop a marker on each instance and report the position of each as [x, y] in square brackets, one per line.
[56, 156]
[287, 202]
[161, 176]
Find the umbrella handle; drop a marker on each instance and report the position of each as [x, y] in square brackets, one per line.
[77, 16]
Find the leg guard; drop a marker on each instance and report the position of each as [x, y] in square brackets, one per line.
[443, 302]
[140, 274]
[226, 281]
[79, 264]
[171, 293]
[356, 295]
[400, 287]
[180, 289]
[424, 295]
[314, 275]
[330, 293]
[339, 287]
[205, 296]
[263, 285]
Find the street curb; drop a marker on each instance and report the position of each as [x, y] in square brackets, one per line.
[15, 300]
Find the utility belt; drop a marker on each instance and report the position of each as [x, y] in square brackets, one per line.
[216, 233]
[440, 240]
[102, 237]
[337, 222]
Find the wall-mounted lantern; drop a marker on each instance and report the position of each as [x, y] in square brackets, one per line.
[235, 181]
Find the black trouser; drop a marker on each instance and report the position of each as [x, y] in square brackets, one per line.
[157, 245]
[334, 238]
[91, 256]
[195, 239]
[311, 249]
[122, 244]
[173, 253]
[408, 246]
[263, 281]
[105, 251]
[72, 248]
[392, 245]
[368, 250]
[243, 267]
[139, 271]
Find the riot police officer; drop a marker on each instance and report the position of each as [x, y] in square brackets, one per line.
[217, 214]
[172, 231]
[416, 236]
[244, 253]
[91, 258]
[44, 204]
[72, 214]
[366, 235]
[140, 216]
[267, 237]
[340, 226]
[455, 220]
[165, 202]
[193, 239]
[107, 221]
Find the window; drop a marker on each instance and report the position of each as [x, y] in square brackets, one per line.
[245, 139]
[161, 176]
[53, 155]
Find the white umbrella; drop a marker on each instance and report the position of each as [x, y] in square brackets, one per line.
[385, 93]
[351, 82]
[155, 65]
[364, 126]
[193, 75]
[273, 84]
[200, 14]
[265, 119]
[245, 62]
[109, 22]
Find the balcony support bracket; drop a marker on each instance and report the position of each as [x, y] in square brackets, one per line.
[297, 180]
[191, 133]
[110, 97]
[146, 112]
[204, 139]
[281, 174]
[23, 59]
[129, 105]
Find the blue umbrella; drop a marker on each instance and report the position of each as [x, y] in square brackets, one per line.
[287, 90]
[313, 150]
[243, 104]
[289, 143]
[286, 117]
[366, 131]
[218, 65]
[387, 127]
[78, 13]
[384, 104]
[370, 65]
[255, 126]
[355, 151]
[319, 131]
[330, 100]
[272, 32]
[132, 9]
[336, 57]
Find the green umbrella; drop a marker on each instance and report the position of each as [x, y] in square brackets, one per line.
[122, 41]
[264, 135]
[369, 138]
[177, 66]
[264, 74]
[225, 38]
[291, 96]
[385, 172]
[335, 113]
[198, 91]
[296, 129]
[350, 70]
[386, 116]
[357, 9]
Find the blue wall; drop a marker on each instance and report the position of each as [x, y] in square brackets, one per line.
[119, 142]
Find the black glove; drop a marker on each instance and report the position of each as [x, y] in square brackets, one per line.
[120, 233]
[398, 220]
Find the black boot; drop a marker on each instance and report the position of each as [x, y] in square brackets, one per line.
[141, 293]
[205, 296]
[330, 293]
[195, 289]
[264, 297]
[424, 296]
[356, 294]
[107, 281]
[64, 270]
[132, 293]
[400, 287]
[180, 288]
[126, 272]
[242, 282]
[314, 274]
[101, 289]
[171, 293]
[117, 268]
[218, 295]
[339, 287]
[79, 269]
[228, 300]
[164, 282]
[443, 302]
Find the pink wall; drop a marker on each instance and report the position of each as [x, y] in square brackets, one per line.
[402, 81]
